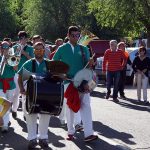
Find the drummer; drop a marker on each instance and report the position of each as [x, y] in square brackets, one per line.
[31, 119]
[76, 57]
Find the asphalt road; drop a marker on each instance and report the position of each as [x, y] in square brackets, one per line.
[121, 126]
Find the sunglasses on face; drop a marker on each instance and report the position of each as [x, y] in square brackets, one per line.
[141, 51]
[5, 46]
[39, 50]
[75, 35]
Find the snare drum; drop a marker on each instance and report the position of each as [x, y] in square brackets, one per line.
[87, 75]
[44, 96]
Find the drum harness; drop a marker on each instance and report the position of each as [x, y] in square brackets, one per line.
[84, 82]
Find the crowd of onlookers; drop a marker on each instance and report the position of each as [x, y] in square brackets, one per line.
[115, 60]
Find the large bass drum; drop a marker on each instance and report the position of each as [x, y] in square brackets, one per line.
[44, 96]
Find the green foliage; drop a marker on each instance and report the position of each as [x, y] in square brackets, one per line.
[47, 18]
[107, 19]
[130, 16]
[8, 23]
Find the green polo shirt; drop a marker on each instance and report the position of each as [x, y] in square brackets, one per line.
[40, 68]
[9, 72]
[29, 51]
[73, 59]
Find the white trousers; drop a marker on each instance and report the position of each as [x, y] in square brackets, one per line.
[32, 121]
[62, 116]
[15, 103]
[8, 96]
[142, 83]
[86, 116]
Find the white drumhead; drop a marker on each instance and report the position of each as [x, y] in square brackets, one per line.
[84, 74]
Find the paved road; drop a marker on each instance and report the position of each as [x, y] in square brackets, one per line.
[122, 126]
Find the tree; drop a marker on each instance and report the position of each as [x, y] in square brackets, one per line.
[8, 23]
[49, 19]
[130, 16]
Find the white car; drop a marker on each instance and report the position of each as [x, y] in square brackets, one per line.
[133, 52]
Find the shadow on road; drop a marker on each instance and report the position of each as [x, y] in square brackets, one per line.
[128, 103]
[134, 104]
[110, 133]
[12, 140]
[98, 94]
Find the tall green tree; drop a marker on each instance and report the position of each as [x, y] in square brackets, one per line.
[47, 18]
[130, 16]
[8, 23]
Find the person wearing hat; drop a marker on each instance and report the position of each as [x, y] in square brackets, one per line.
[7, 84]
[26, 53]
[5, 107]
[31, 119]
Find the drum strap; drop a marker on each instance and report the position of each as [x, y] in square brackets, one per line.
[24, 49]
[83, 55]
[34, 65]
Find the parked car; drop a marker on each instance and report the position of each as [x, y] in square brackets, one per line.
[133, 52]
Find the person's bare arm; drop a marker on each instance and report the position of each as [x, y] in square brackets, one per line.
[6, 106]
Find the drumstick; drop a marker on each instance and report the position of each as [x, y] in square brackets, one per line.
[88, 61]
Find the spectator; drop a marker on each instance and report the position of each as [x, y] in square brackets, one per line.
[141, 66]
[115, 60]
[58, 43]
[141, 42]
[122, 80]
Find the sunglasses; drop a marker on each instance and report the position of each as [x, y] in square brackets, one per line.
[5, 46]
[75, 35]
[141, 51]
[39, 50]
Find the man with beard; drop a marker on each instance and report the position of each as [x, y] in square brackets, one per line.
[31, 119]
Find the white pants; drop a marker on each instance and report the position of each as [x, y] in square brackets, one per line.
[86, 116]
[15, 103]
[142, 83]
[32, 120]
[62, 116]
[8, 96]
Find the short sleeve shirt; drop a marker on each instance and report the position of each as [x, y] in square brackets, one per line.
[40, 68]
[9, 72]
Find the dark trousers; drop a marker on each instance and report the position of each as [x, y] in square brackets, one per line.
[112, 78]
[122, 82]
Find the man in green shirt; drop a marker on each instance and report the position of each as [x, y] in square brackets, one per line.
[26, 53]
[7, 84]
[31, 119]
[77, 56]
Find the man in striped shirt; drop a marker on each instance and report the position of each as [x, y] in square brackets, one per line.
[114, 61]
